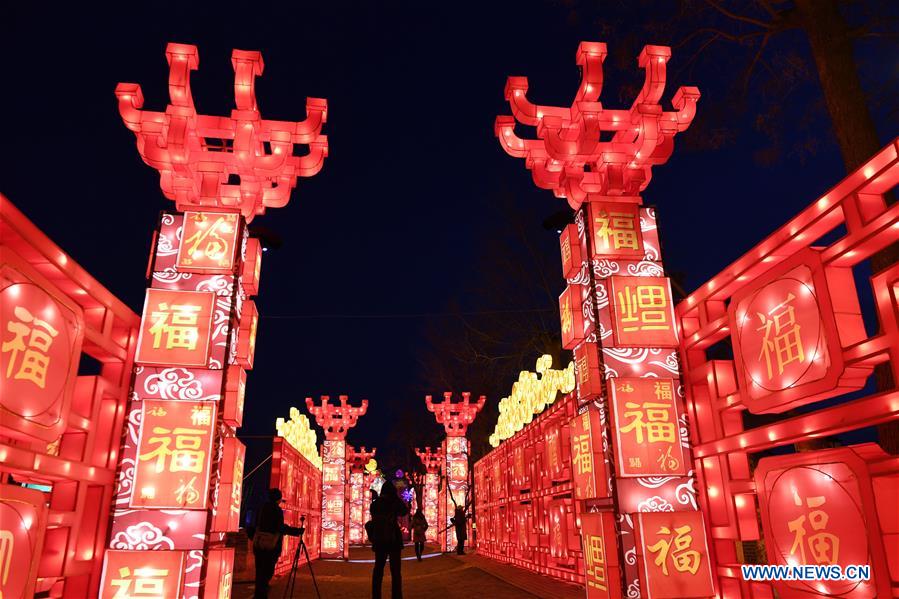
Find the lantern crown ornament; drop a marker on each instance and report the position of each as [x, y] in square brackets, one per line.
[337, 418]
[570, 156]
[431, 459]
[455, 416]
[242, 163]
[357, 459]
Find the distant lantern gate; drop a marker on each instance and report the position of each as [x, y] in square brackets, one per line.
[665, 501]
[181, 467]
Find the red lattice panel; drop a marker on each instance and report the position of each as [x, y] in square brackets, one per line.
[301, 483]
[79, 465]
[720, 390]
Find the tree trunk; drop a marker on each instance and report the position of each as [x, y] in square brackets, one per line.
[853, 126]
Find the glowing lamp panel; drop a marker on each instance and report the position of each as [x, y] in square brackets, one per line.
[142, 573]
[174, 455]
[646, 421]
[23, 520]
[40, 343]
[818, 509]
[673, 555]
[787, 345]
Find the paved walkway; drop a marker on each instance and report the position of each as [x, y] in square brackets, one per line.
[440, 576]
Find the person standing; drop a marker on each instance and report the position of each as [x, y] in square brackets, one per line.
[387, 540]
[419, 526]
[460, 523]
[268, 535]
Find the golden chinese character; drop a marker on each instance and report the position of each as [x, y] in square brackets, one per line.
[201, 416]
[177, 324]
[683, 557]
[566, 251]
[596, 559]
[582, 457]
[187, 455]
[7, 546]
[825, 546]
[635, 462]
[186, 493]
[617, 230]
[214, 246]
[35, 361]
[666, 461]
[567, 318]
[645, 307]
[663, 390]
[157, 411]
[782, 340]
[148, 583]
[658, 424]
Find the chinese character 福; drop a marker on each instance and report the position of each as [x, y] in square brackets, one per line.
[35, 359]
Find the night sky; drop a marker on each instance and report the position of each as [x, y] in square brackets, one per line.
[394, 235]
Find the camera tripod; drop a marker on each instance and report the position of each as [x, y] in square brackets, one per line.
[292, 577]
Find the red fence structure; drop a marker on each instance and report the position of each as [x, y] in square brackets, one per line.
[524, 497]
[788, 312]
[60, 424]
[300, 482]
[181, 466]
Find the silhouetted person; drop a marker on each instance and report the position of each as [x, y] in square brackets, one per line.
[460, 522]
[268, 535]
[419, 526]
[387, 541]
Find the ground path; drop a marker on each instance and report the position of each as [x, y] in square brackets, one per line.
[441, 576]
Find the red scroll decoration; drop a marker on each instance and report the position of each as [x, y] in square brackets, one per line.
[181, 468]
[336, 419]
[617, 313]
[455, 418]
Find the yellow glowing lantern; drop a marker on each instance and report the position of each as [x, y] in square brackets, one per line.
[531, 394]
[300, 435]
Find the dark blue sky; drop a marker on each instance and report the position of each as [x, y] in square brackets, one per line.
[396, 226]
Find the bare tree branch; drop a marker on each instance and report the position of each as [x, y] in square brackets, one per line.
[737, 17]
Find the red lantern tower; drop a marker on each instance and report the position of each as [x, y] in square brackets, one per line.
[336, 420]
[356, 461]
[181, 467]
[630, 450]
[432, 461]
[455, 418]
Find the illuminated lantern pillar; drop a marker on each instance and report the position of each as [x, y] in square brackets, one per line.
[357, 492]
[432, 461]
[181, 467]
[336, 420]
[630, 451]
[455, 418]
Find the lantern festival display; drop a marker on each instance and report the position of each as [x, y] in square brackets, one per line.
[433, 461]
[297, 472]
[455, 418]
[789, 310]
[629, 447]
[181, 468]
[60, 426]
[336, 419]
[359, 498]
